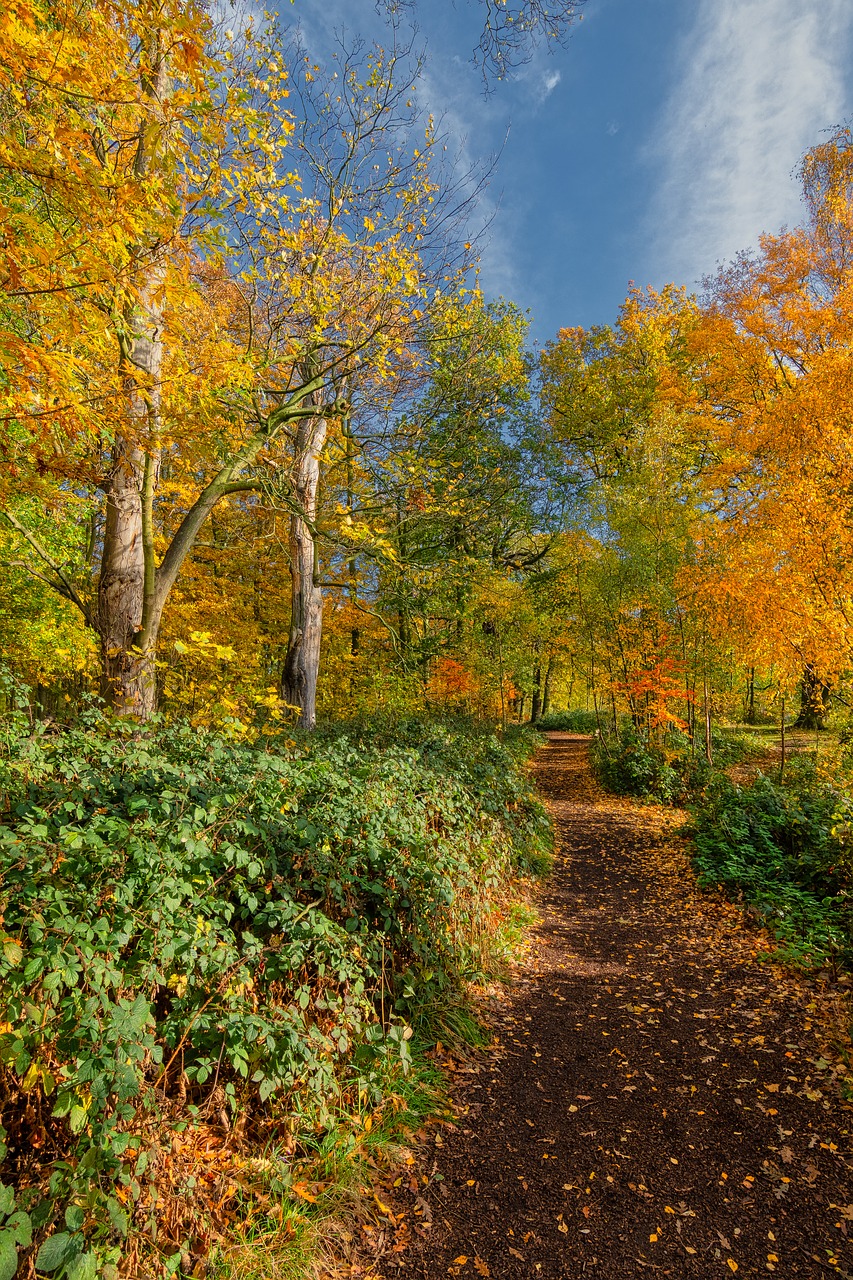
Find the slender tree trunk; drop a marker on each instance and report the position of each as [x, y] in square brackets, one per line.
[749, 715]
[352, 568]
[302, 663]
[546, 688]
[706, 693]
[536, 705]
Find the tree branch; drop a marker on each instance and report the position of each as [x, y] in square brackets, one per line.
[60, 582]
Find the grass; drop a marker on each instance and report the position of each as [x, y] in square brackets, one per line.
[296, 1213]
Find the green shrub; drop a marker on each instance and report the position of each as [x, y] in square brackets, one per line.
[777, 846]
[186, 919]
[632, 765]
[570, 721]
[671, 771]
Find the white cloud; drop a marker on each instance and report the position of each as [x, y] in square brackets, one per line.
[549, 83]
[756, 83]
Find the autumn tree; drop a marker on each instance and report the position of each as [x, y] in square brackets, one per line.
[775, 342]
[120, 128]
[626, 453]
[189, 288]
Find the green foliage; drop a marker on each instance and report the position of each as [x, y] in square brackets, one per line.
[633, 765]
[778, 847]
[669, 771]
[578, 721]
[183, 914]
[16, 1229]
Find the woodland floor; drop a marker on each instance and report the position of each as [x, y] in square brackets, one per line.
[658, 1100]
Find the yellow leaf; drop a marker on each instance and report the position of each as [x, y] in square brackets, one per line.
[460, 1261]
[31, 1078]
[383, 1208]
[732, 1265]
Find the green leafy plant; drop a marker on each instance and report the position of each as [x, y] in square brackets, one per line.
[776, 846]
[191, 924]
[578, 721]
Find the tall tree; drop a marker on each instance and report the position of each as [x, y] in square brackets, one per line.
[775, 345]
[218, 282]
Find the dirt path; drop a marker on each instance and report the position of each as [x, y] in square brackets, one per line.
[653, 1103]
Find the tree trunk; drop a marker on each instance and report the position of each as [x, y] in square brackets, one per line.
[302, 663]
[749, 714]
[706, 693]
[546, 688]
[814, 701]
[126, 586]
[128, 680]
[536, 705]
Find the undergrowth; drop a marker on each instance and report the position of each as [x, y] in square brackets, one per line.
[212, 948]
[578, 721]
[669, 770]
[784, 849]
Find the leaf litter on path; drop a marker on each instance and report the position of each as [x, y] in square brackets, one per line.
[657, 1098]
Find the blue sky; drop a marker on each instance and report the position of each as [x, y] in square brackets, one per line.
[660, 141]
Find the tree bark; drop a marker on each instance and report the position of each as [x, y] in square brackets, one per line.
[814, 701]
[128, 676]
[302, 662]
[706, 693]
[546, 688]
[125, 618]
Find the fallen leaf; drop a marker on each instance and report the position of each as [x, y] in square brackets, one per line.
[383, 1208]
[301, 1189]
[731, 1264]
[481, 1266]
[460, 1261]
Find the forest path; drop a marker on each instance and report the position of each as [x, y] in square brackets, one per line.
[653, 1103]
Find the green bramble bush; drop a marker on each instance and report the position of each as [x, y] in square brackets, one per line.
[578, 721]
[780, 846]
[190, 923]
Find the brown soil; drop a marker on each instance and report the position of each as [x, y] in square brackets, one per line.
[655, 1101]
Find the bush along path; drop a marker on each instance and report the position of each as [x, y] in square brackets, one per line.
[658, 1099]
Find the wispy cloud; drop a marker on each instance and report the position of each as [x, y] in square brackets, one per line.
[756, 82]
[548, 84]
